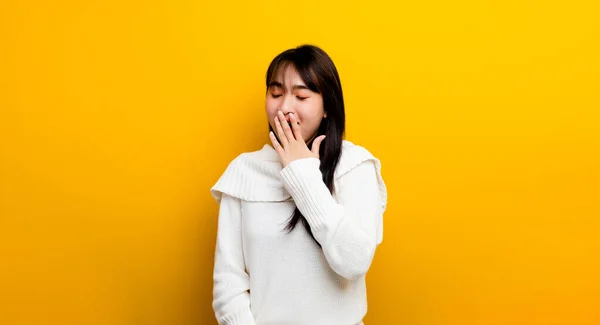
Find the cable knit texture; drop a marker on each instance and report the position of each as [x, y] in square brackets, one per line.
[264, 275]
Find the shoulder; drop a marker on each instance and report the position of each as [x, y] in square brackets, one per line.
[353, 156]
[252, 176]
[358, 165]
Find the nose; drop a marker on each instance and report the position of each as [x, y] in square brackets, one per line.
[285, 108]
[286, 115]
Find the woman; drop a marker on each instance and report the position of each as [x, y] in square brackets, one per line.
[300, 219]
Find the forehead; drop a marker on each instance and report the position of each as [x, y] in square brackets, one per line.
[287, 75]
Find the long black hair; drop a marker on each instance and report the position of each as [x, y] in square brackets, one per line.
[320, 75]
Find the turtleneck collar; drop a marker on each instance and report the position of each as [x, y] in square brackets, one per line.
[254, 176]
[269, 153]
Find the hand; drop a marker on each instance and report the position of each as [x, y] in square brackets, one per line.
[292, 145]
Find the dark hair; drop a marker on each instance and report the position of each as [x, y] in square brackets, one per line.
[319, 74]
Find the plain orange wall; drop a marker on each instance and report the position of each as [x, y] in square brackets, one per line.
[117, 117]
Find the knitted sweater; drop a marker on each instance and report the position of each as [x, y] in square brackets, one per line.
[264, 275]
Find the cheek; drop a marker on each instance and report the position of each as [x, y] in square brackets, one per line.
[310, 122]
[271, 108]
[314, 108]
[311, 114]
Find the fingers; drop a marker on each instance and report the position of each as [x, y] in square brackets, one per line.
[280, 133]
[317, 145]
[296, 127]
[286, 128]
[274, 141]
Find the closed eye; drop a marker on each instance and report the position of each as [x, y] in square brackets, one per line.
[279, 95]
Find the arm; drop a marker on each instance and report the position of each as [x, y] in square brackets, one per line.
[231, 296]
[347, 231]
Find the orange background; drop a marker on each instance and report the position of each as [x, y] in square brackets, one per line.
[117, 117]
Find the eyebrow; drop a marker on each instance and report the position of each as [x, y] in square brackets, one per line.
[278, 84]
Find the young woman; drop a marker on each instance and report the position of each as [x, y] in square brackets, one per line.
[300, 219]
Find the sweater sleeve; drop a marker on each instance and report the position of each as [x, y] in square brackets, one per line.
[231, 287]
[347, 229]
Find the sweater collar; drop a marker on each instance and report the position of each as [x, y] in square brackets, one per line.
[254, 176]
[268, 153]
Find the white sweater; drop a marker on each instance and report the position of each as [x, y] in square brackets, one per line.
[266, 276]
